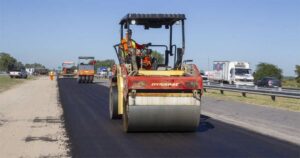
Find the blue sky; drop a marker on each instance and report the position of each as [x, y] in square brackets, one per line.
[51, 31]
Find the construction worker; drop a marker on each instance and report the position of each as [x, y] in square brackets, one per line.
[147, 60]
[51, 74]
[128, 43]
[129, 47]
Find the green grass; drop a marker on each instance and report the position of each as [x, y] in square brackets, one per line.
[6, 82]
[282, 103]
[290, 83]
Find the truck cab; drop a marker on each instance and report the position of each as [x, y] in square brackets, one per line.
[241, 76]
[18, 73]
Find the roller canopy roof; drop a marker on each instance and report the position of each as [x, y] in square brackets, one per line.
[85, 57]
[152, 20]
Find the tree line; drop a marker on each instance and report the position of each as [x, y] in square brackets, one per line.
[270, 70]
[8, 63]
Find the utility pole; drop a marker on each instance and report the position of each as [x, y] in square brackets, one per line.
[208, 64]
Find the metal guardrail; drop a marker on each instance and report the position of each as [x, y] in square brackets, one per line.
[273, 92]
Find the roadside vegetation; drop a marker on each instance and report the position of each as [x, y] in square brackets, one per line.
[267, 70]
[104, 63]
[8, 63]
[282, 103]
[270, 70]
[290, 82]
[6, 82]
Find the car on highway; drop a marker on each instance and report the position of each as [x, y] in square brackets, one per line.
[204, 76]
[268, 82]
[21, 73]
[102, 72]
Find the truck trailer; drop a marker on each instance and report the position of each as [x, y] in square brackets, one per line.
[232, 72]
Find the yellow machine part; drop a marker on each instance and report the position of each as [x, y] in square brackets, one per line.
[161, 73]
[120, 82]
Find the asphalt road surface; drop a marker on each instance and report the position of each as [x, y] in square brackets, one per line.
[93, 134]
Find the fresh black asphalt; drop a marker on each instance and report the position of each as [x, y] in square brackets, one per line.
[93, 134]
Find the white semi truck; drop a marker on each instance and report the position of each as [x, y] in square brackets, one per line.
[232, 72]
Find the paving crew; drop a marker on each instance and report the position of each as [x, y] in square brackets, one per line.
[129, 48]
[147, 59]
[128, 43]
[51, 74]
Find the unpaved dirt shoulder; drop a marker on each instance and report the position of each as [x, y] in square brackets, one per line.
[31, 122]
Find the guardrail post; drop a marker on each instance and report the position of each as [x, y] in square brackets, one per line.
[221, 84]
[244, 94]
[273, 97]
[222, 91]
[255, 87]
[279, 89]
[208, 83]
[236, 86]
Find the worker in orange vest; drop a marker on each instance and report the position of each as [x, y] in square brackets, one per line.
[51, 74]
[128, 43]
[147, 60]
[129, 50]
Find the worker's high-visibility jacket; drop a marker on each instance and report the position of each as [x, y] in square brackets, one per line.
[147, 62]
[132, 44]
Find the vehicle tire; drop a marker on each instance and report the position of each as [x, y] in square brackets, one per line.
[86, 79]
[91, 79]
[113, 103]
[83, 79]
[79, 79]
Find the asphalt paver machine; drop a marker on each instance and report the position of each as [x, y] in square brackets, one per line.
[164, 98]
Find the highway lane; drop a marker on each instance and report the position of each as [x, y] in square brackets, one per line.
[93, 134]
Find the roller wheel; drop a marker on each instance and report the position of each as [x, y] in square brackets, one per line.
[79, 79]
[113, 103]
[87, 79]
[91, 79]
[84, 79]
